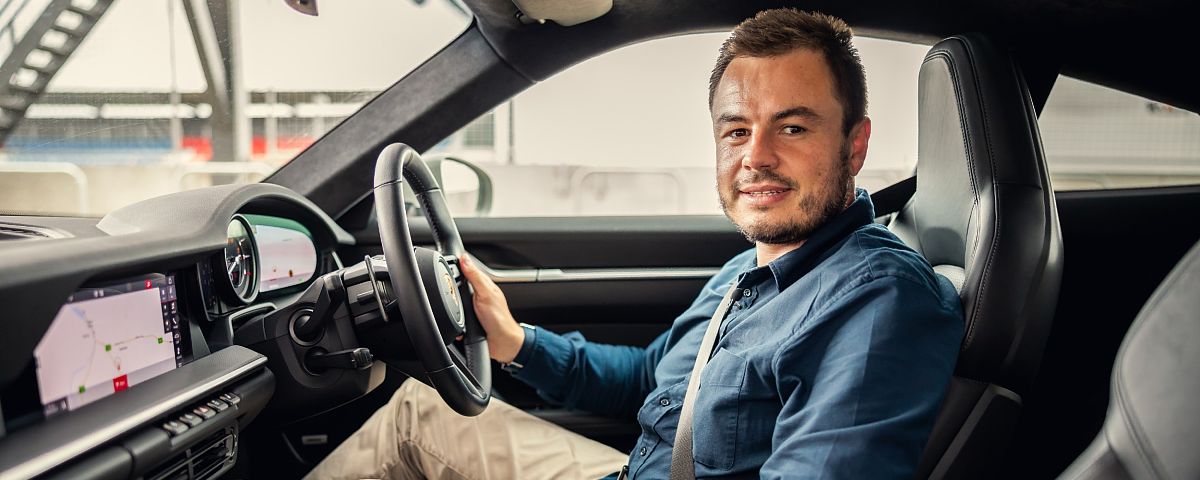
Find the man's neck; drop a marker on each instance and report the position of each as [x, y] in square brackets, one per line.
[768, 252]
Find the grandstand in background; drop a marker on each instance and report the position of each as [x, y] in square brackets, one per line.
[147, 128]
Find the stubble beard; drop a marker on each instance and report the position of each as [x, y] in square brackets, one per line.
[816, 206]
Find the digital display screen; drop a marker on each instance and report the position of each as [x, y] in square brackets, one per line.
[109, 338]
[285, 252]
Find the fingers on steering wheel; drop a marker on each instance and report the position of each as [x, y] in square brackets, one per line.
[467, 268]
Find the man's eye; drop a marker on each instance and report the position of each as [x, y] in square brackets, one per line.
[794, 130]
[738, 133]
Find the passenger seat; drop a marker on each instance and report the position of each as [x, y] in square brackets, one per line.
[1153, 424]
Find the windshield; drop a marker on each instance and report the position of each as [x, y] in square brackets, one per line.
[114, 101]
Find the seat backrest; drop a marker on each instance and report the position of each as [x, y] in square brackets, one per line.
[1153, 427]
[984, 216]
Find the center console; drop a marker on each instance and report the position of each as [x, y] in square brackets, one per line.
[122, 385]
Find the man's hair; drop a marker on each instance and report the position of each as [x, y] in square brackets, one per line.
[781, 31]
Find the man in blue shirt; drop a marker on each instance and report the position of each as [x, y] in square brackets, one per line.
[831, 361]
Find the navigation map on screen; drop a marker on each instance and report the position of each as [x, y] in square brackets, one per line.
[105, 340]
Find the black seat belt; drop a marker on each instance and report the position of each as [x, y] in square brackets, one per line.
[892, 198]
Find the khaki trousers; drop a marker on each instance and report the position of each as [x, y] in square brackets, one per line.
[417, 436]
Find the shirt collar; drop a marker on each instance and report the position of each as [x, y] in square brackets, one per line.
[792, 265]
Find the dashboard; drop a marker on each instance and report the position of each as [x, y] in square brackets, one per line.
[118, 338]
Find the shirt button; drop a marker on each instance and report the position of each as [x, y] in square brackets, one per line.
[746, 292]
[642, 452]
[664, 401]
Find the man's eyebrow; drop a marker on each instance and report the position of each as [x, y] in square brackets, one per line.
[803, 112]
[730, 118]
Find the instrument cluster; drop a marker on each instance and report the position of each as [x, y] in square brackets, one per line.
[262, 255]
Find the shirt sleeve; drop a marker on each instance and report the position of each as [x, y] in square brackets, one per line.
[861, 383]
[607, 379]
[611, 380]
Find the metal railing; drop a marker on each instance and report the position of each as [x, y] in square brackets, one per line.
[7, 29]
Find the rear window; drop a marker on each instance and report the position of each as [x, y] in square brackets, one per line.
[1099, 138]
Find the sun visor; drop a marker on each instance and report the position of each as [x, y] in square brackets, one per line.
[564, 13]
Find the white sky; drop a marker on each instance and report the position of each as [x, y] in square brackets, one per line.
[352, 45]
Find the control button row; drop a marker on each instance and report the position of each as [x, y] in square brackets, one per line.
[217, 405]
[174, 427]
[190, 419]
[201, 413]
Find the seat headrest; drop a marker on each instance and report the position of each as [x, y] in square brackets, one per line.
[983, 212]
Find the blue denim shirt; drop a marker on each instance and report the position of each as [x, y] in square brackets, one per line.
[832, 364]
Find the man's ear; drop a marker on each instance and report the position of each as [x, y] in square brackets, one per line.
[859, 136]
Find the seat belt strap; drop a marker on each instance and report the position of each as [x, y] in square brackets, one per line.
[682, 467]
[892, 198]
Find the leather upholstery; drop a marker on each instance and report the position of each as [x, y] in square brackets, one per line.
[984, 215]
[1152, 430]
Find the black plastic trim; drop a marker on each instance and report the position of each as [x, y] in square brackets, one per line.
[38, 449]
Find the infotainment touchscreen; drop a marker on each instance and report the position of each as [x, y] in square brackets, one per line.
[109, 338]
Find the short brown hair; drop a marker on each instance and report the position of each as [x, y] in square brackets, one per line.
[780, 31]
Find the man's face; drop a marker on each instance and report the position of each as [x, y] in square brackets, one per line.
[784, 165]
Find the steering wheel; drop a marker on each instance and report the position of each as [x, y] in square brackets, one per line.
[428, 285]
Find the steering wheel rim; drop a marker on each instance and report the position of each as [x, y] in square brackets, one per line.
[463, 380]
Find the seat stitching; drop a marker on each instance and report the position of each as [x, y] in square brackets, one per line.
[1135, 430]
[995, 240]
[970, 154]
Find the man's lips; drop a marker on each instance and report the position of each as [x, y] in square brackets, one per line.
[763, 189]
[763, 195]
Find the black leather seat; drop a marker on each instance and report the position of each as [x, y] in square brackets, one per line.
[1153, 427]
[984, 215]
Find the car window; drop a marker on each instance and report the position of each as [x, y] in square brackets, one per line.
[1098, 138]
[115, 105]
[628, 133]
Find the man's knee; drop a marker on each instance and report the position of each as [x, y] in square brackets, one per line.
[418, 401]
[410, 387]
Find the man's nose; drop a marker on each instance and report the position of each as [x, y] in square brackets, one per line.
[761, 152]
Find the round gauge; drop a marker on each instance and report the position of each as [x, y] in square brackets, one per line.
[241, 261]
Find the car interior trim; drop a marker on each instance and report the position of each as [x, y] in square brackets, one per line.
[548, 275]
[47, 460]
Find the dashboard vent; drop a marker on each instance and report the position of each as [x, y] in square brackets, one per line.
[207, 459]
[23, 232]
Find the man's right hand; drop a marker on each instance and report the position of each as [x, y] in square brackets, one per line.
[504, 335]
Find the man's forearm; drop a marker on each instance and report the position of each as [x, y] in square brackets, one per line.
[570, 371]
